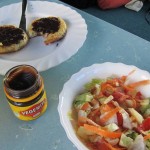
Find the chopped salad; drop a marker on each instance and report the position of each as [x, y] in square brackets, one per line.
[113, 115]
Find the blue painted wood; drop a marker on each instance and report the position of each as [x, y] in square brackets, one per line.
[129, 20]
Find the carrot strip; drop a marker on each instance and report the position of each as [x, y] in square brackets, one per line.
[94, 101]
[109, 115]
[139, 83]
[106, 87]
[82, 121]
[130, 73]
[124, 78]
[127, 88]
[105, 108]
[102, 132]
[147, 137]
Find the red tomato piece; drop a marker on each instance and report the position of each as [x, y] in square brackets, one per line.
[119, 119]
[101, 145]
[139, 96]
[120, 97]
[145, 125]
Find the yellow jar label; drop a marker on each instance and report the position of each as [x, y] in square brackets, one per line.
[30, 112]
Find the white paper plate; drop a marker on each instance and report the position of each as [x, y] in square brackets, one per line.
[36, 53]
[76, 83]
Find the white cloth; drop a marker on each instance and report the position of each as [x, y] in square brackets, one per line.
[135, 5]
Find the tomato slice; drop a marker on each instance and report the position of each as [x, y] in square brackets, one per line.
[119, 119]
[120, 97]
[145, 125]
[101, 145]
[139, 96]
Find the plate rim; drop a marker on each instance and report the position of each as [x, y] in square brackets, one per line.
[47, 63]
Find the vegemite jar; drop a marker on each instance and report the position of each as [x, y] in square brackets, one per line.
[24, 89]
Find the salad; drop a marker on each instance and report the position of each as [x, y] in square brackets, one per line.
[113, 115]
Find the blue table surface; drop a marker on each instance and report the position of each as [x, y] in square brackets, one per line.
[105, 42]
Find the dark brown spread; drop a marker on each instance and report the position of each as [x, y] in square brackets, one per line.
[10, 35]
[22, 81]
[46, 25]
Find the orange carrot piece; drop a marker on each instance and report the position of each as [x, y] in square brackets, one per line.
[105, 108]
[124, 78]
[106, 87]
[130, 73]
[86, 106]
[109, 115]
[139, 83]
[134, 103]
[127, 88]
[94, 102]
[102, 132]
[82, 121]
[146, 137]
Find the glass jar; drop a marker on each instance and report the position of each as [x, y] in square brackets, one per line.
[24, 89]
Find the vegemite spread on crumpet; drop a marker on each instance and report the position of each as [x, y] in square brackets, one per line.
[12, 38]
[51, 28]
